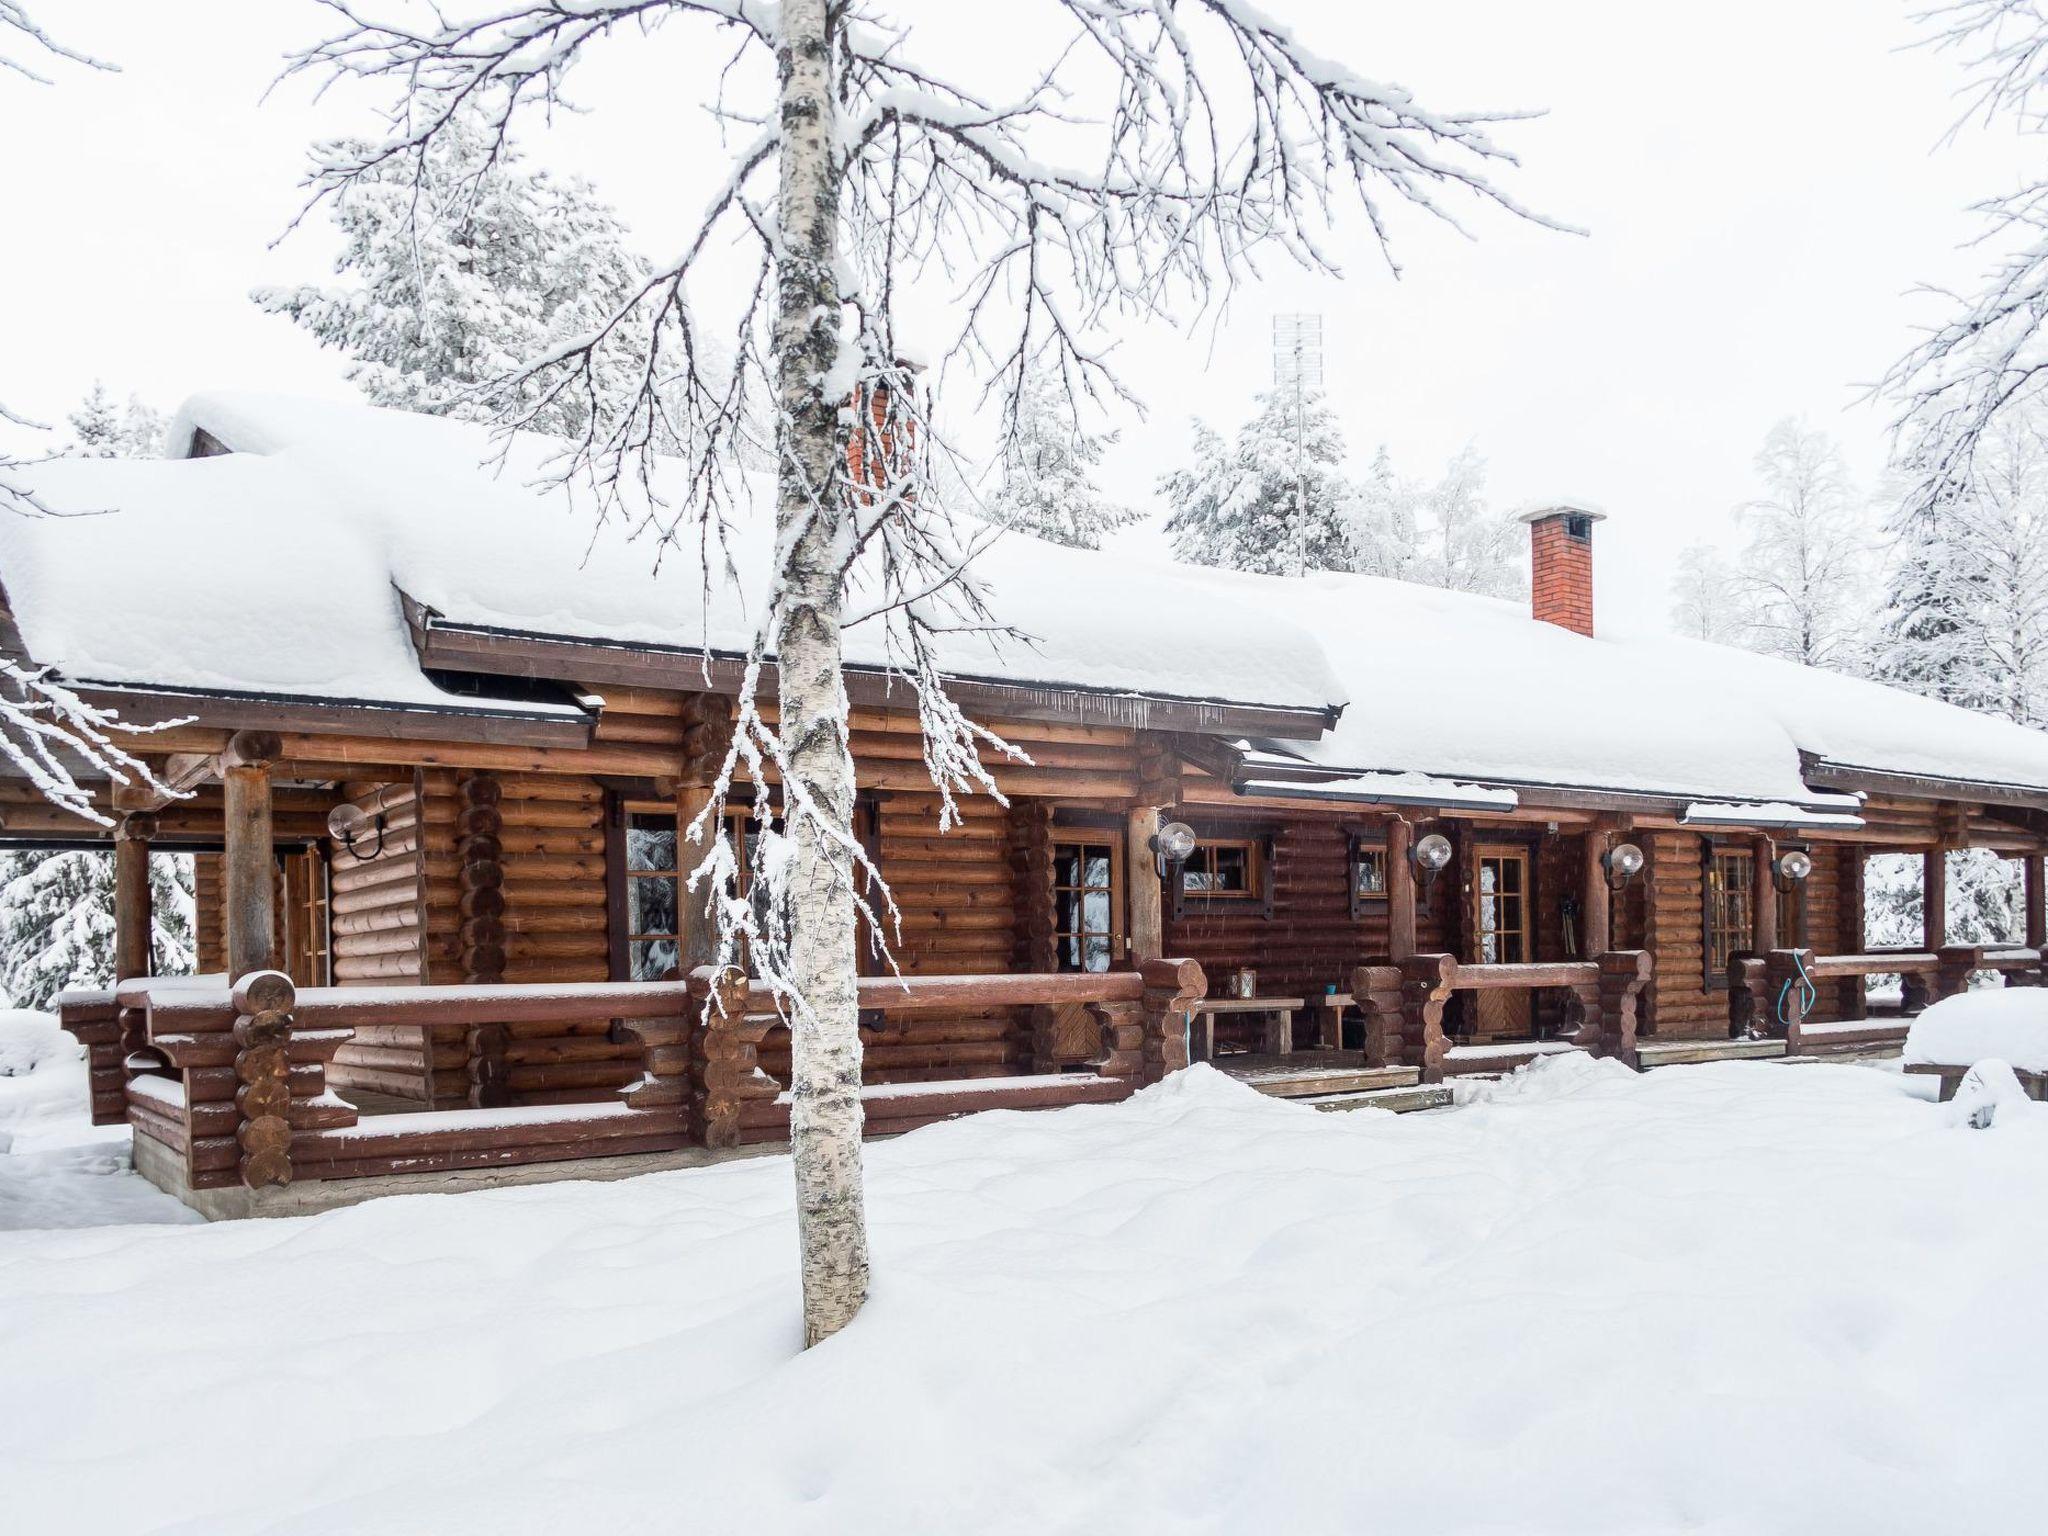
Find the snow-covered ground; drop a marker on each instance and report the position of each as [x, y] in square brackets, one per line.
[57, 1169]
[1736, 1298]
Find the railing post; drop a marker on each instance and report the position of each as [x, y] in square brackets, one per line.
[485, 1045]
[93, 1019]
[1426, 985]
[1957, 961]
[725, 1056]
[1785, 995]
[263, 1097]
[1377, 991]
[1623, 975]
[1746, 996]
[665, 1059]
[1171, 988]
[1122, 1026]
[1916, 990]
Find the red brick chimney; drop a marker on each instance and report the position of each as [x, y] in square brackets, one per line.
[1561, 563]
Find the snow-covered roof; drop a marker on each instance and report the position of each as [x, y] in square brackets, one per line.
[277, 568]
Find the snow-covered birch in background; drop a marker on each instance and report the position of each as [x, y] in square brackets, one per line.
[1707, 601]
[1131, 176]
[1801, 571]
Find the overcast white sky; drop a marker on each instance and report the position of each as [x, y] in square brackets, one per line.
[1762, 180]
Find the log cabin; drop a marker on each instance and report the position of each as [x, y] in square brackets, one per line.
[433, 732]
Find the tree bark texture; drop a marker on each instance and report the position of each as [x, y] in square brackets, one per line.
[814, 534]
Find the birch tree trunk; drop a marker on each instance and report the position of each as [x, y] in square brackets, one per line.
[814, 536]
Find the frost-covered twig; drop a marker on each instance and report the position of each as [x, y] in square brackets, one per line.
[14, 18]
[45, 726]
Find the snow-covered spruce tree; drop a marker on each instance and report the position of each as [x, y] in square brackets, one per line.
[1706, 597]
[1465, 545]
[46, 731]
[1274, 501]
[1047, 461]
[1383, 528]
[102, 430]
[1800, 575]
[463, 268]
[57, 921]
[860, 171]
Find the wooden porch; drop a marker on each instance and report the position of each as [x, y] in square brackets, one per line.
[226, 1086]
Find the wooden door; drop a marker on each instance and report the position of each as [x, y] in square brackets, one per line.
[1503, 912]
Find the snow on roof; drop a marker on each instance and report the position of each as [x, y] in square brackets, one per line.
[272, 569]
[497, 549]
[1473, 689]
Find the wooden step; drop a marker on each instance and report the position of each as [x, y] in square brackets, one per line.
[1675, 1053]
[1496, 1060]
[1315, 1082]
[1399, 1100]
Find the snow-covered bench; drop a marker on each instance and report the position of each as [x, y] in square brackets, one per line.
[2009, 1024]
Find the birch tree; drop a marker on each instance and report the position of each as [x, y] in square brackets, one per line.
[56, 740]
[1989, 353]
[1707, 598]
[1134, 176]
[1800, 572]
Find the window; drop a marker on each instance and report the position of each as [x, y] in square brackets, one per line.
[1228, 871]
[1730, 887]
[1503, 929]
[1087, 900]
[652, 946]
[1368, 875]
[652, 885]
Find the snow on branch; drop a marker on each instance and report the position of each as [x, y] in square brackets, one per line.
[46, 730]
[1989, 354]
[14, 18]
[1192, 139]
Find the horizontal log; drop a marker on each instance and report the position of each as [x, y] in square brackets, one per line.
[497, 1157]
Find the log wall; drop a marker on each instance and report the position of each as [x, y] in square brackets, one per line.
[209, 932]
[376, 934]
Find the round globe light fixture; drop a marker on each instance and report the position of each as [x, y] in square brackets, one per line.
[1173, 843]
[1624, 862]
[1792, 866]
[348, 821]
[1431, 853]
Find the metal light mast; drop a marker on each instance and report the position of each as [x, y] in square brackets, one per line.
[1298, 368]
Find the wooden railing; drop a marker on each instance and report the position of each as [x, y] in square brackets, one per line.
[1404, 1004]
[229, 1084]
[1141, 1015]
[1768, 995]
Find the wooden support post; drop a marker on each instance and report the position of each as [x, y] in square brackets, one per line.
[1763, 897]
[725, 1059]
[1596, 920]
[1934, 898]
[1623, 975]
[2037, 903]
[707, 736]
[1955, 964]
[1377, 991]
[1400, 891]
[1785, 995]
[134, 918]
[1426, 985]
[1141, 864]
[480, 851]
[263, 1001]
[248, 865]
[1172, 987]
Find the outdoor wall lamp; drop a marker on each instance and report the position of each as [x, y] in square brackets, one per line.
[1430, 854]
[1172, 844]
[348, 821]
[1791, 867]
[1624, 861]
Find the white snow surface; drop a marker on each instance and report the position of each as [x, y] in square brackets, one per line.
[1590, 1303]
[2009, 1024]
[1447, 685]
[57, 1169]
[372, 498]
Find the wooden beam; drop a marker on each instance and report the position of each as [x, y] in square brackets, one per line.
[1763, 897]
[1400, 890]
[248, 870]
[133, 916]
[2037, 903]
[1596, 920]
[1141, 866]
[1934, 898]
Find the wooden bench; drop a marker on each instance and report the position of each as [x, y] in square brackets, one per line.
[1278, 1039]
[2036, 1083]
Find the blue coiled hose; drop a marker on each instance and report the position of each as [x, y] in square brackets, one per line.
[1808, 996]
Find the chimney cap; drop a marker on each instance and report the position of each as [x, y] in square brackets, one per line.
[1537, 511]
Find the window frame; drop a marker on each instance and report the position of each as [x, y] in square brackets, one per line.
[619, 875]
[1741, 897]
[1366, 903]
[1526, 856]
[1082, 837]
[1256, 898]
